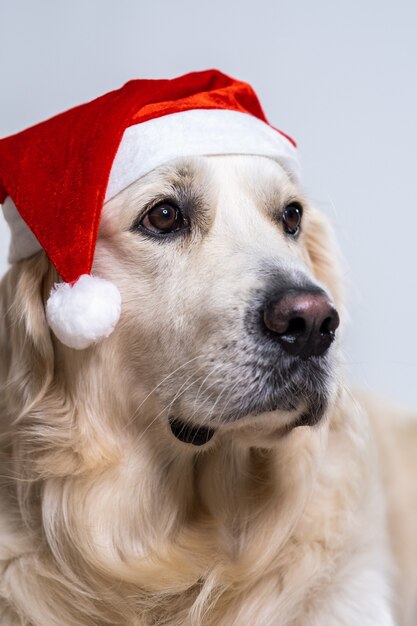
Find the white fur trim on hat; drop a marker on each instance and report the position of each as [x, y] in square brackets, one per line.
[198, 132]
[85, 312]
[145, 146]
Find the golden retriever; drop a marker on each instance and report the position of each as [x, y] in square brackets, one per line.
[206, 464]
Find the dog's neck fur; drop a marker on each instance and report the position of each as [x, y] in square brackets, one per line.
[179, 525]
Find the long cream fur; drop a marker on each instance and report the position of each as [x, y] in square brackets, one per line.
[106, 519]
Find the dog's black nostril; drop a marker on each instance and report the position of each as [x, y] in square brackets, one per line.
[296, 326]
[304, 322]
[330, 324]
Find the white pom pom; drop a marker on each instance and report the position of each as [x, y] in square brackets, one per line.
[85, 312]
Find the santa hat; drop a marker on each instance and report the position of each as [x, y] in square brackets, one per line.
[56, 176]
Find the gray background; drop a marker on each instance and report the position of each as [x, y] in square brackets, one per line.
[340, 77]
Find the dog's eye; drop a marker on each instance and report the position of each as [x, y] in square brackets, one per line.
[163, 218]
[291, 218]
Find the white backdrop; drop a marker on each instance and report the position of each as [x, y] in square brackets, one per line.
[340, 77]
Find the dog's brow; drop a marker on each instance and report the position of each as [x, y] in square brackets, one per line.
[187, 182]
[273, 195]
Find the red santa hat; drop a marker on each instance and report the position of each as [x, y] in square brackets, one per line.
[56, 176]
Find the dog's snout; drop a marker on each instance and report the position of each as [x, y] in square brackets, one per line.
[303, 322]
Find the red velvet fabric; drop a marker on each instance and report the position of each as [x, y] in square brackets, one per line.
[57, 171]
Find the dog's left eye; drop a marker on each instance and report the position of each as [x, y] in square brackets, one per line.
[164, 218]
[291, 218]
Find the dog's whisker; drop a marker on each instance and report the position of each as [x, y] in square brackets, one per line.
[167, 407]
[229, 397]
[136, 411]
[207, 388]
[229, 390]
[216, 367]
[208, 417]
[165, 379]
[18, 478]
[222, 392]
[182, 390]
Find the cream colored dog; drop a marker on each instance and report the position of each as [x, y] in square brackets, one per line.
[206, 464]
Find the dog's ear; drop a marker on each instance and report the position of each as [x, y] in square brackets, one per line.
[324, 254]
[27, 355]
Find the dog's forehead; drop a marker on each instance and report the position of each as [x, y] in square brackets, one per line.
[252, 167]
[261, 179]
[248, 172]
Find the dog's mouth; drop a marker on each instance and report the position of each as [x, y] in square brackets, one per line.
[189, 433]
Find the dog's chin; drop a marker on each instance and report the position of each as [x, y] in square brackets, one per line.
[271, 421]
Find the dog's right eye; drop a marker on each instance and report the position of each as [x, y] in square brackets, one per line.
[163, 218]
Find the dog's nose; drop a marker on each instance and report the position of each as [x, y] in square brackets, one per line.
[303, 322]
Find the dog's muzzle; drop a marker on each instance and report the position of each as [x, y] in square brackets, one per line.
[281, 364]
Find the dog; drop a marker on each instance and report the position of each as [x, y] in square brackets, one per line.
[207, 464]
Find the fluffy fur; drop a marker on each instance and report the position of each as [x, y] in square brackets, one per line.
[107, 519]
